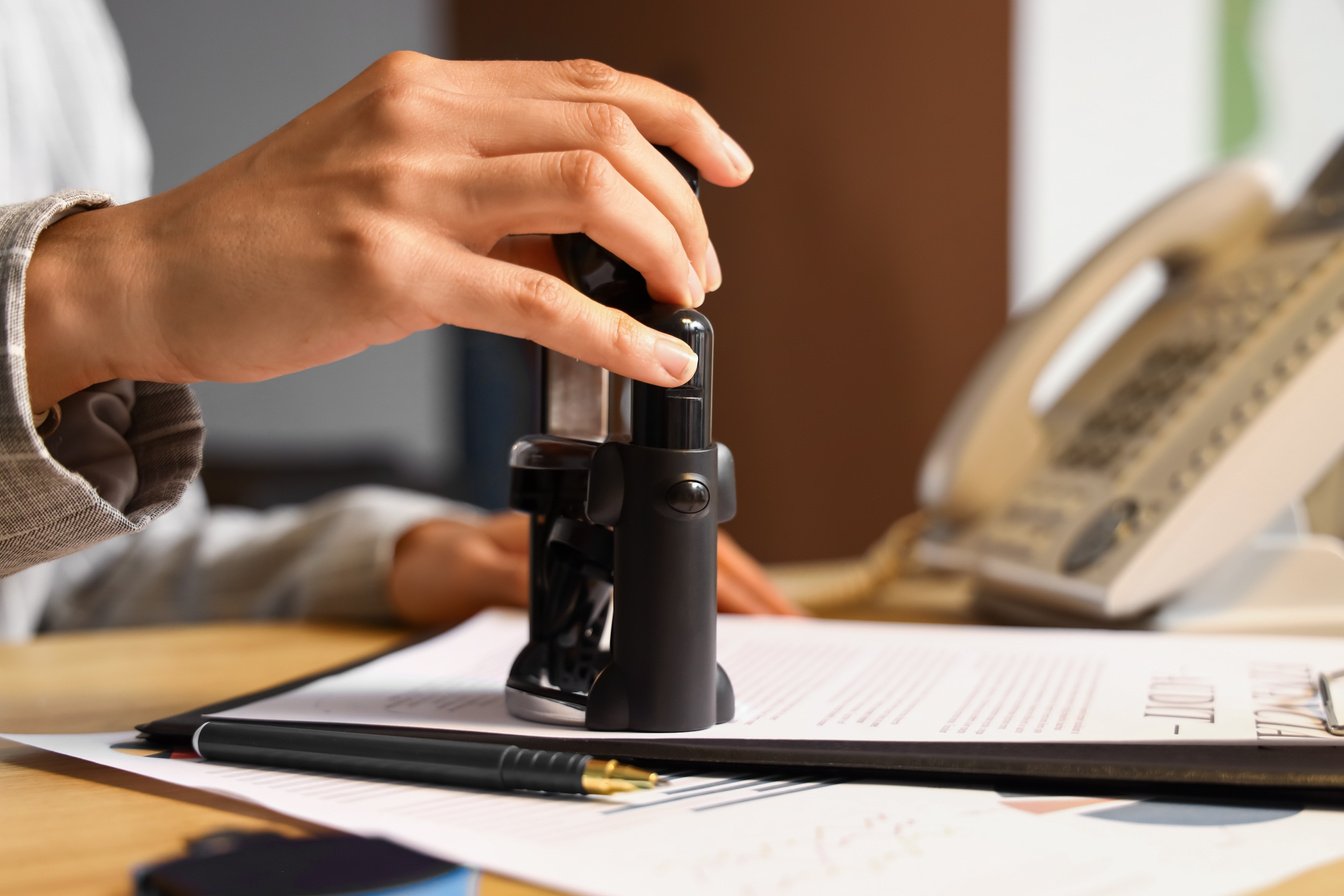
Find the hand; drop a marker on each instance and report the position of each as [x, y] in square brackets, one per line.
[376, 214]
[445, 571]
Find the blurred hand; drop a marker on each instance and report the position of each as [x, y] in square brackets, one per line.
[385, 209]
[446, 570]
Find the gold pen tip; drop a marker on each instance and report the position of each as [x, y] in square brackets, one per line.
[606, 776]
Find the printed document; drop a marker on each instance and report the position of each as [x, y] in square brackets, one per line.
[761, 836]
[808, 679]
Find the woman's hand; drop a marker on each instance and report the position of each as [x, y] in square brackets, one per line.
[446, 570]
[383, 210]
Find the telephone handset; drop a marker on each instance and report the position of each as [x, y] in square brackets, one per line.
[1209, 415]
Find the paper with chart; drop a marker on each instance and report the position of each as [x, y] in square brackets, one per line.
[851, 681]
[747, 836]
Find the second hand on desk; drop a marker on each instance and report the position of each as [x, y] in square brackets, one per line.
[425, 760]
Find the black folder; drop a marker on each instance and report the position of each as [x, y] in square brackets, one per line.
[1297, 772]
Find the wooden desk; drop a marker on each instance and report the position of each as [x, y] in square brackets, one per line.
[70, 827]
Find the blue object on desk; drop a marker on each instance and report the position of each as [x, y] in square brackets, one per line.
[233, 863]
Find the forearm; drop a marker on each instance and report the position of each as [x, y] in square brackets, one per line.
[330, 559]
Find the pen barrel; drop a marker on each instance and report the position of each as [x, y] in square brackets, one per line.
[417, 759]
[547, 770]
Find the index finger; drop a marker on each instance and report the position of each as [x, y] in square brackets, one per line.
[489, 294]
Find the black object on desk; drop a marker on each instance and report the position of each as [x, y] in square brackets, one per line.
[265, 864]
[419, 759]
[625, 509]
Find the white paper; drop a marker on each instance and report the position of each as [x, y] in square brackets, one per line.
[821, 680]
[783, 836]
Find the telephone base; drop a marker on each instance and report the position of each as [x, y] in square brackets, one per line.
[1290, 584]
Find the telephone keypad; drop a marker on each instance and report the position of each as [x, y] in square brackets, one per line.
[1164, 372]
[1222, 315]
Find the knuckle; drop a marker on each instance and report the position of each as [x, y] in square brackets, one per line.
[690, 212]
[689, 114]
[398, 110]
[627, 337]
[685, 115]
[540, 299]
[589, 74]
[584, 173]
[607, 123]
[399, 65]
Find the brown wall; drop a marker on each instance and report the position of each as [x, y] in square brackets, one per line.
[865, 265]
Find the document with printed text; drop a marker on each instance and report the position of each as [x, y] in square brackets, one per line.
[757, 831]
[745, 835]
[814, 680]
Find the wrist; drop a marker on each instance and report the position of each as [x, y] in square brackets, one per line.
[74, 285]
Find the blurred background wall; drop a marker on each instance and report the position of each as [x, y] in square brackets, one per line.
[921, 169]
[1116, 104]
[865, 264]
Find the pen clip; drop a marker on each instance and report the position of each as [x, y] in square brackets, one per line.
[1326, 684]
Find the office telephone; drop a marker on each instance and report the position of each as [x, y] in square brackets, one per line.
[1208, 416]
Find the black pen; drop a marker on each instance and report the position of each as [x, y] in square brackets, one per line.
[426, 760]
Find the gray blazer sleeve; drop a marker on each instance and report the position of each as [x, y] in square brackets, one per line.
[148, 456]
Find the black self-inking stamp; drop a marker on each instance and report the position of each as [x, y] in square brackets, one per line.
[626, 488]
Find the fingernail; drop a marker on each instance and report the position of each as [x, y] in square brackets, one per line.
[737, 155]
[713, 270]
[676, 357]
[696, 288]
